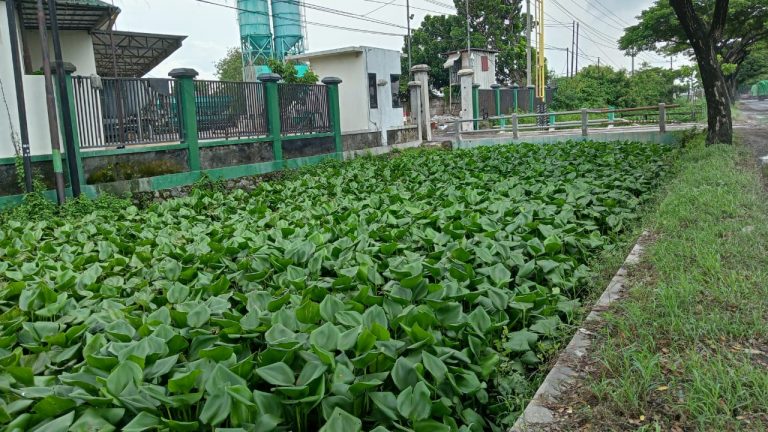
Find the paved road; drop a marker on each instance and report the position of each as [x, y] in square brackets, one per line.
[751, 126]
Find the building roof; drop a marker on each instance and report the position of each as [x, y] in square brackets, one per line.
[334, 52]
[72, 14]
[134, 55]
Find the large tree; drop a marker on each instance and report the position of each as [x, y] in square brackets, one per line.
[495, 24]
[659, 30]
[704, 38]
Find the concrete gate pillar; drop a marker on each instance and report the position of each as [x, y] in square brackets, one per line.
[416, 114]
[466, 80]
[421, 74]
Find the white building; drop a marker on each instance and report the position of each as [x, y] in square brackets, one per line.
[370, 85]
[482, 62]
[86, 42]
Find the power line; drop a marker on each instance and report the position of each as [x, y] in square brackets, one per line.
[412, 7]
[340, 12]
[337, 27]
[618, 19]
[441, 4]
[596, 16]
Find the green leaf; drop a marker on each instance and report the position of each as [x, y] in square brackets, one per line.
[499, 275]
[277, 374]
[520, 341]
[125, 374]
[404, 374]
[386, 402]
[329, 307]
[198, 316]
[435, 366]
[216, 409]
[325, 337]
[342, 421]
[414, 403]
[142, 422]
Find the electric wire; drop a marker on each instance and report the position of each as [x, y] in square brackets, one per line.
[412, 7]
[317, 24]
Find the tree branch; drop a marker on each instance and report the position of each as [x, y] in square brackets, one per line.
[719, 19]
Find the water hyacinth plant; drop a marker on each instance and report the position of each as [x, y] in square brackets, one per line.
[377, 295]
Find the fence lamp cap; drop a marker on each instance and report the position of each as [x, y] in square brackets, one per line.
[495, 86]
[269, 77]
[68, 68]
[531, 86]
[420, 68]
[414, 84]
[515, 85]
[475, 85]
[466, 72]
[183, 73]
[331, 80]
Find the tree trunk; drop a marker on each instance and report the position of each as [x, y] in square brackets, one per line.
[720, 126]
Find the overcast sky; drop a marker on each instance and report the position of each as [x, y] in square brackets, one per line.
[212, 29]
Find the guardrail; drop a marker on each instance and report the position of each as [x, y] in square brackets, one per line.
[516, 123]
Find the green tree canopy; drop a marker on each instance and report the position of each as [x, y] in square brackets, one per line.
[230, 68]
[495, 24]
[659, 30]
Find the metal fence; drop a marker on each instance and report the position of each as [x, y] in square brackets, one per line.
[486, 102]
[228, 109]
[304, 109]
[126, 111]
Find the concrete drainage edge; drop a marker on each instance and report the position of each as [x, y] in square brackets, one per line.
[536, 414]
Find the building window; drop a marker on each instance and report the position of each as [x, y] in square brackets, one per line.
[373, 93]
[484, 63]
[395, 82]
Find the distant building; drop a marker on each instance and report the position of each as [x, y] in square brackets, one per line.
[86, 41]
[482, 61]
[369, 92]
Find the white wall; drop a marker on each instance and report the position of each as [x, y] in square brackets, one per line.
[350, 67]
[7, 126]
[384, 63]
[487, 78]
[76, 48]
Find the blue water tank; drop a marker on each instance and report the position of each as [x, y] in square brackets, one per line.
[255, 32]
[287, 23]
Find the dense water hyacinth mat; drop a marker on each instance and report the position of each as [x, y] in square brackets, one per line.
[402, 293]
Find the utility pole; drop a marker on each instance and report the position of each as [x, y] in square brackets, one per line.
[598, 65]
[53, 123]
[577, 47]
[408, 12]
[528, 41]
[10, 6]
[573, 46]
[469, 38]
[633, 63]
[567, 62]
[66, 114]
[541, 63]
[670, 63]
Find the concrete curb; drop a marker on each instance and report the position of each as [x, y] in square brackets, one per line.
[536, 414]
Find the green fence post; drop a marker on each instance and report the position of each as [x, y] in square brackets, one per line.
[335, 110]
[69, 69]
[272, 96]
[611, 115]
[497, 97]
[515, 103]
[188, 111]
[476, 105]
[531, 98]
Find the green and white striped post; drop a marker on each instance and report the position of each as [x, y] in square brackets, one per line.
[497, 98]
[334, 107]
[476, 105]
[272, 97]
[188, 109]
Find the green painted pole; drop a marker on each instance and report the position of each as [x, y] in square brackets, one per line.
[272, 96]
[476, 105]
[515, 102]
[497, 96]
[69, 68]
[335, 111]
[188, 105]
[531, 98]
[611, 115]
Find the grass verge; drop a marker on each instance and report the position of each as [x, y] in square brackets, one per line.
[688, 349]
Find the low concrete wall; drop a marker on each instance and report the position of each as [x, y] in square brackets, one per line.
[133, 161]
[236, 154]
[297, 148]
[649, 136]
[403, 135]
[9, 180]
[361, 140]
